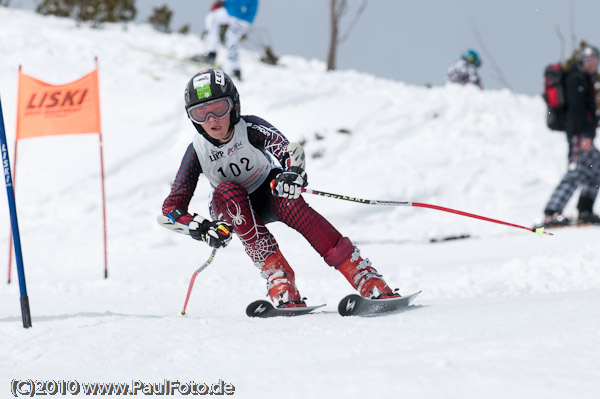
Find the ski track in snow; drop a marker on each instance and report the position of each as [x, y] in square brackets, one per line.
[503, 314]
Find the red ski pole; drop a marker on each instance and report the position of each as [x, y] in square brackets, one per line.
[204, 266]
[539, 231]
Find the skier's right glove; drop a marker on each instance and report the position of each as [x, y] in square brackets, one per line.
[215, 233]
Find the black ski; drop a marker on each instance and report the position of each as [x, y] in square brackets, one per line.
[185, 60]
[262, 308]
[355, 305]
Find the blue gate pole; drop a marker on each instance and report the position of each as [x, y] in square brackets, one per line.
[10, 192]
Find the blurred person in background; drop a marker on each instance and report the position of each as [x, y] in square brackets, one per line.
[464, 70]
[238, 15]
[584, 159]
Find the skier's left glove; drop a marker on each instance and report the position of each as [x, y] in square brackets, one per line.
[289, 183]
[215, 233]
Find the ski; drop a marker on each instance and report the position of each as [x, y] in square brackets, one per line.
[449, 238]
[355, 305]
[570, 224]
[263, 309]
[185, 60]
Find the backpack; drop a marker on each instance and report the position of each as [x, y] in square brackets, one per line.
[554, 96]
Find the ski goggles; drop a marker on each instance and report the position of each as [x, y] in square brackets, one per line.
[218, 108]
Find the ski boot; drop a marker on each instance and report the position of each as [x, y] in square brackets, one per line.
[365, 279]
[556, 220]
[588, 217]
[281, 283]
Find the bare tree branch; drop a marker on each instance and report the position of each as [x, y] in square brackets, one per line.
[489, 56]
[337, 8]
[354, 21]
[572, 27]
[333, 32]
[561, 38]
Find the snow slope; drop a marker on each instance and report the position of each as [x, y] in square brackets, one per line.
[504, 314]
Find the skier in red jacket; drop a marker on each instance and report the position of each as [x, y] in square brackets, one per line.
[236, 154]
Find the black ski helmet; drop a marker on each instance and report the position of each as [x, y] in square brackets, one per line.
[210, 84]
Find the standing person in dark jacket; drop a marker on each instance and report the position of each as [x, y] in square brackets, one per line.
[584, 158]
[256, 177]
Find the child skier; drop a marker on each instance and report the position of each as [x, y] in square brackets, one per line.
[236, 154]
[464, 70]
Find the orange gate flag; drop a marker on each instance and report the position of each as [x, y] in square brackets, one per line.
[47, 110]
[44, 109]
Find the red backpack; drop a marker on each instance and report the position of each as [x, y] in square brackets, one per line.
[554, 95]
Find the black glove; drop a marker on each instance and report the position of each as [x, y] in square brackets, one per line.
[215, 233]
[289, 183]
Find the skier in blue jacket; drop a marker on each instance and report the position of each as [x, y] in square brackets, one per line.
[238, 15]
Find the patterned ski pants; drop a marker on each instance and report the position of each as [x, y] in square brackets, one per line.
[249, 214]
[584, 171]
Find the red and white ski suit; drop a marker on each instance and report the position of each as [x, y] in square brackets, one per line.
[240, 172]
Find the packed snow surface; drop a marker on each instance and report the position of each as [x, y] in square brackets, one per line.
[503, 314]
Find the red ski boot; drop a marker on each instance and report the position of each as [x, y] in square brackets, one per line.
[281, 284]
[364, 278]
